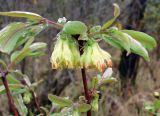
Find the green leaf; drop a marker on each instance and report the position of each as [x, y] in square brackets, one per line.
[95, 29]
[137, 48]
[2, 89]
[109, 80]
[22, 109]
[12, 80]
[120, 37]
[44, 109]
[36, 54]
[37, 46]
[116, 10]
[83, 107]
[56, 114]
[157, 104]
[61, 102]
[28, 43]
[74, 28]
[116, 14]
[8, 39]
[28, 15]
[16, 88]
[34, 49]
[30, 32]
[27, 96]
[76, 113]
[146, 40]
[18, 56]
[94, 82]
[94, 103]
[3, 64]
[16, 34]
[84, 36]
[149, 107]
[112, 41]
[20, 91]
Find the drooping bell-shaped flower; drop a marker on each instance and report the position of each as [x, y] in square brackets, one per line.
[65, 54]
[95, 57]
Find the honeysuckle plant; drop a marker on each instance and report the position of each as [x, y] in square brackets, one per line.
[76, 47]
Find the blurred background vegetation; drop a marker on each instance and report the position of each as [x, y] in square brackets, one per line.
[137, 79]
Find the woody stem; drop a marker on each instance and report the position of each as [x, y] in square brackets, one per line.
[85, 85]
[9, 96]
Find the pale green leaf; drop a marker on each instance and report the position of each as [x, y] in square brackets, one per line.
[37, 46]
[83, 107]
[112, 41]
[116, 10]
[116, 14]
[56, 114]
[16, 34]
[94, 82]
[3, 64]
[34, 49]
[44, 109]
[18, 56]
[8, 39]
[27, 96]
[95, 29]
[16, 88]
[121, 39]
[22, 109]
[94, 103]
[157, 104]
[28, 15]
[12, 80]
[146, 40]
[137, 48]
[108, 23]
[61, 102]
[36, 54]
[29, 33]
[76, 112]
[109, 80]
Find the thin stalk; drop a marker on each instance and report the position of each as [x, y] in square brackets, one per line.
[85, 85]
[9, 96]
[54, 23]
[36, 101]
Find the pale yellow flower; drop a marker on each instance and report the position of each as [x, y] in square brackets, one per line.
[95, 57]
[65, 54]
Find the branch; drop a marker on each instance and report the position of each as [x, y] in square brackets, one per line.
[36, 101]
[9, 96]
[85, 85]
[52, 22]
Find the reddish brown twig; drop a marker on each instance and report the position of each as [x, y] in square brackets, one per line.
[9, 96]
[85, 85]
[36, 101]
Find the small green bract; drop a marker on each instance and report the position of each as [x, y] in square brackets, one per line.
[74, 28]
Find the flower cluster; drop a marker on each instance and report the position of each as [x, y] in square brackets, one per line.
[95, 57]
[66, 55]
